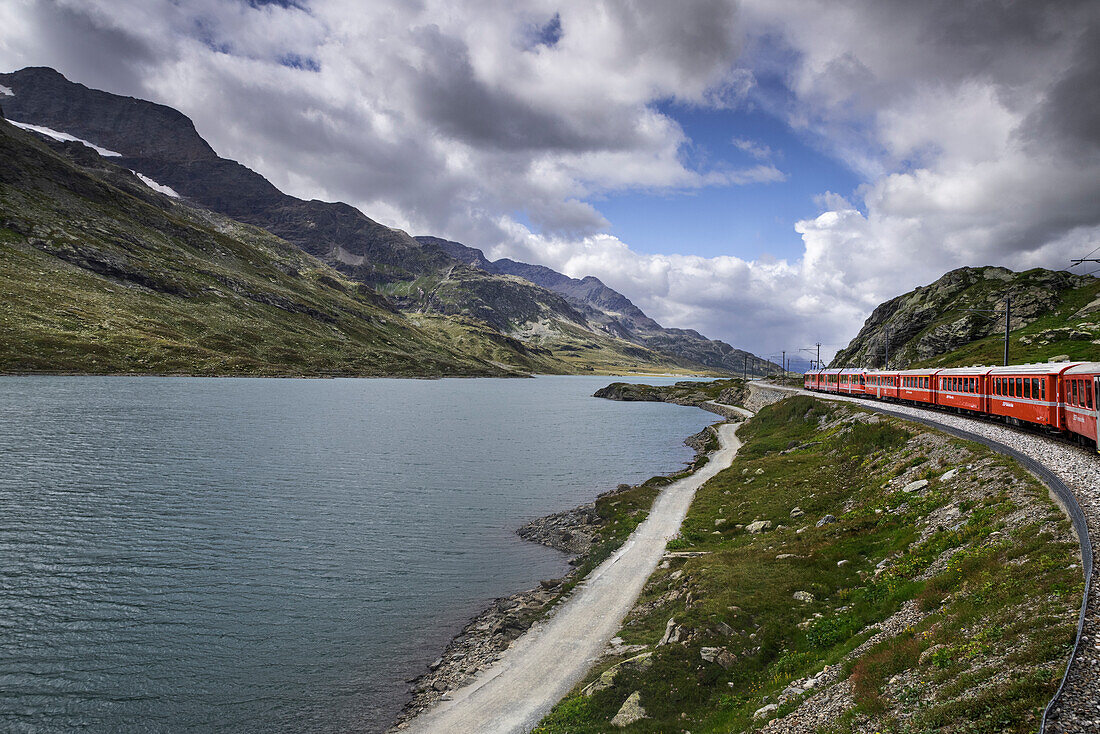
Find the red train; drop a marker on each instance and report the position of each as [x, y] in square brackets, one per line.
[1062, 396]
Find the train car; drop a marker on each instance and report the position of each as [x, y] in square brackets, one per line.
[812, 380]
[917, 386]
[830, 380]
[882, 385]
[1029, 393]
[1080, 393]
[964, 388]
[852, 381]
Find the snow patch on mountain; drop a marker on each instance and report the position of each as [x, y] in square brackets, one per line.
[6, 91]
[65, 137]
[161, 188]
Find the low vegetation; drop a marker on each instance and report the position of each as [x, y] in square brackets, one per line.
[729, 391]
[847, 573]
[1070, 331]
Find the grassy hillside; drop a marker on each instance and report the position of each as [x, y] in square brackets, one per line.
[1053, 314]
[847, 573]
[99, 274]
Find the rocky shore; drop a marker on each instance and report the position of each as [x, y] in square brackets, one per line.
[578, 532]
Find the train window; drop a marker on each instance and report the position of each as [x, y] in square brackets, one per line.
[1027, 388]
[1034, 388]
[1011, 388]
[1073, 392]
[1043, 389]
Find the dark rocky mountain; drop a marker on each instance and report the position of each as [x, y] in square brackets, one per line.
[1053, 314]
[419, 275]
[612, 311]
[102, 274]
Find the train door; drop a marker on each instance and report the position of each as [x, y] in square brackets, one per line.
[1096, 407]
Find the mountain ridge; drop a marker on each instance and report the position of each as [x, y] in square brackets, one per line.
[612, 310]
[417, 274]
[101, 274]
[959, 319]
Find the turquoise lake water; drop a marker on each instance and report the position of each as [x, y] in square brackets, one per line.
[239, 555]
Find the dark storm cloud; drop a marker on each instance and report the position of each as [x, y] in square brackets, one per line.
[1071, 109]
[83, 45]
[448, 92]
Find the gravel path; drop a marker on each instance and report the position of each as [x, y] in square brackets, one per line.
[544, 664]
[1078, 709]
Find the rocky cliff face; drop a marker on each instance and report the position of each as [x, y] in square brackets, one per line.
[420, 275]
[934, 320]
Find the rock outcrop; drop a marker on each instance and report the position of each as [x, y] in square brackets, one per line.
[934, 319]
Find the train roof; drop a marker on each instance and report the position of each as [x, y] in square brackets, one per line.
[832, 371]
[1045, 368]
[853, 370]
[983, 370]
[1085, 368]
[925, 371]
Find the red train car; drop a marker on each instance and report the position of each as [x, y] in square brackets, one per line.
[882, 385]
[830, 380]
[964, 388]
[1029, 393]
[812, 380]
[918, 386]
[1080, 393]
[853, 381]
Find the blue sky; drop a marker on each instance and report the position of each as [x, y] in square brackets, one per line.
[748, 220]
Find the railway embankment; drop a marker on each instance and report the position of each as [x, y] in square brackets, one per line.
[848, 572]
[1077, 708]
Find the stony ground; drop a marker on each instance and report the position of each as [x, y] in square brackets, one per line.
[1078, 710]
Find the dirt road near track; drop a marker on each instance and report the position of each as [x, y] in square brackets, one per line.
[544, 664]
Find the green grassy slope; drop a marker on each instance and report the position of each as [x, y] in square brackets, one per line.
[949, 608]
[99, 274]
[1071, 330]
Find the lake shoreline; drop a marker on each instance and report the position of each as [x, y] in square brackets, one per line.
[487, 634]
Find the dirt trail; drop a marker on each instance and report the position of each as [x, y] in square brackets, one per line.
[544, 664]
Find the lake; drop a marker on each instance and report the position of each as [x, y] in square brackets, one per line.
[263, 555]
